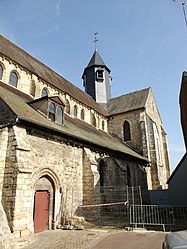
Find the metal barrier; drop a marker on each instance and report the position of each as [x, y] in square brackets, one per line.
[119, 207]
[151, 215]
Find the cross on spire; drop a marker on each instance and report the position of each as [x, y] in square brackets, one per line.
[95, 40]
[183, 8]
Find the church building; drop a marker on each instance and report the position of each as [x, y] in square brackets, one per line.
[61, 147]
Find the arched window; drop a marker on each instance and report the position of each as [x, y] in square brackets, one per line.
[93, 119]
[103, 125]
[13, 80]
[75, 111]
[59, 115]
[52, 112]
[82, 114]
[44, 92]
[32, 88]
[126, 131]
[1, 72]
[67, 108]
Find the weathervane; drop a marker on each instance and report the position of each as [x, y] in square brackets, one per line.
[95, 40]
[183, 8]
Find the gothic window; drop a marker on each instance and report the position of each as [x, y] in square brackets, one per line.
[13, 80]
[67, 106]
[1, 72]
[75, 111]
[59, 115]
[126, 131]
[82, 114]
[103, 125]
[44, 92]
[52, 112]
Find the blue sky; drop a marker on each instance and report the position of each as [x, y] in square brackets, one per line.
[143, 42]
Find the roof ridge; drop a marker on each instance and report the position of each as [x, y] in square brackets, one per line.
[46, 73]
[131, 93]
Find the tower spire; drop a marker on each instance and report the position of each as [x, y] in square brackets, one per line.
[95, 40]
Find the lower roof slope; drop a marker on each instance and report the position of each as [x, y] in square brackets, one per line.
[73, 127]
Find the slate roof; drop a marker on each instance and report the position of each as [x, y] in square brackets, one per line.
[128, 102]
[25, 60]
[96, 60]
[73, 128]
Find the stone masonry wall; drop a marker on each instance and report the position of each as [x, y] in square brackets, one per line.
[115, 127]
[148, 138]
[160, 140]
[28, 158]
[63, 164]
[5, 233]
[16, 195]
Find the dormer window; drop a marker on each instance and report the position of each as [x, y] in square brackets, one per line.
[55, 113]
[100, 74]
[52, 112]
[51, 106]
[59, 115]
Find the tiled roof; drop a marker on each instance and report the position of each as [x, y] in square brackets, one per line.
[13, 52]
[74, 128]
[128, 102]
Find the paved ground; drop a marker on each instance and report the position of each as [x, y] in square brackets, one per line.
[95, 239]
[131, 240]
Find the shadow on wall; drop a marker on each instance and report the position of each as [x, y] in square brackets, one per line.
[119, 185]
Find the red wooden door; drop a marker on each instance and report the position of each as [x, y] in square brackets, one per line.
[41, 211]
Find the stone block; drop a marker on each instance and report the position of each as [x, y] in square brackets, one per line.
[16, 235]
[25, 233]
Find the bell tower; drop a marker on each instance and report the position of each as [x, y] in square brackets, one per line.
[96, 78]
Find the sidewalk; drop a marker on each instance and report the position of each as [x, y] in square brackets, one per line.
[95, 239]
[65, 239]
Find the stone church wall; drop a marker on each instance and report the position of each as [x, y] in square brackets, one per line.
[148, 138]
[5, 233]
[116, 127]
[28, 158]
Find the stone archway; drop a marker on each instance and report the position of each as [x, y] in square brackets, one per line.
[43, 204]
[46, 190]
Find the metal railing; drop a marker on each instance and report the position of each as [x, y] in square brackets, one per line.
[163, 215]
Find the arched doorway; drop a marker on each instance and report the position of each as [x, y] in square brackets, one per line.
[43, 204]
